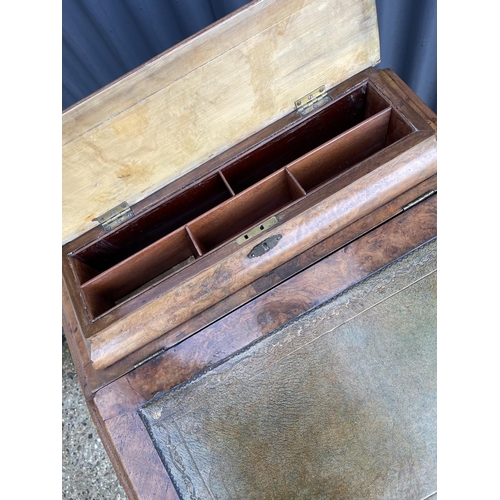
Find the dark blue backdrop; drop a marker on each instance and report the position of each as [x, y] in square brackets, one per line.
[104, 39]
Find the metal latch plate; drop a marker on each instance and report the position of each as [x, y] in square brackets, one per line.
[257, 230]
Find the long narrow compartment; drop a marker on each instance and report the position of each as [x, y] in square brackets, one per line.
[219, 207]
[338, 154]
[337, 118]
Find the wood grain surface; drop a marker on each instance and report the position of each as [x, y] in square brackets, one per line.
[95, 379]
[203, 96]
[382, 87]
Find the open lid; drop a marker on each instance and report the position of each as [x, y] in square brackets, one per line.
[204, 95]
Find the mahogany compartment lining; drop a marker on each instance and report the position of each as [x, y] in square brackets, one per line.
[170, 253]
[108, 279]
[337, 155]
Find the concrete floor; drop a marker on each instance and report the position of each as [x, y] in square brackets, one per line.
[87, 473]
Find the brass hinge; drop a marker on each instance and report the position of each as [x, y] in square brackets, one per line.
[313, 100]
[114, 217]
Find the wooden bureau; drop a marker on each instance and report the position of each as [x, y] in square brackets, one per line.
[224, 190]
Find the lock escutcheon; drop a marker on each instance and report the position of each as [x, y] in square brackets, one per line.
[264, 246]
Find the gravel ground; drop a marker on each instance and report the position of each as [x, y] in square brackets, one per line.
[87, 473]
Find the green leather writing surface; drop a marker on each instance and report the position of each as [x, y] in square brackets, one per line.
[338, 404]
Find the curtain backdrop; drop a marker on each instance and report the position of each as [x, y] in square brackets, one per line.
[102, 40]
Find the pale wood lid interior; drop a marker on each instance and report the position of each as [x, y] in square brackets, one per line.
[205, 95]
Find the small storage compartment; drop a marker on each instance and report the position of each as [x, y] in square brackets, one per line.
[248, 208]
[237, 195]
[158, 260]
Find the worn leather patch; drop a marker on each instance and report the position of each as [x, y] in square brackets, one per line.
[338, 404]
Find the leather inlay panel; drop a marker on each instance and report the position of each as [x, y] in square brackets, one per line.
[340, 403]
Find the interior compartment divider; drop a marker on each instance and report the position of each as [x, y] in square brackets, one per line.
[83, 271]
[246, 209]
[297, 190]
[196, 243]
[236, 270]
[223, 177]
